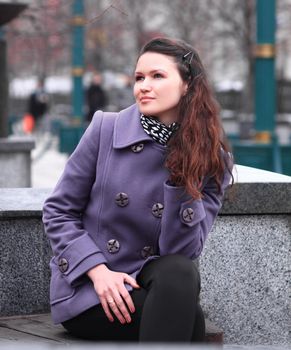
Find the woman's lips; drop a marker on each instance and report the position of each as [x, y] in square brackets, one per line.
[146, 99]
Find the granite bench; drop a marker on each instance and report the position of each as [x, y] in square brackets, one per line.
[245, 267]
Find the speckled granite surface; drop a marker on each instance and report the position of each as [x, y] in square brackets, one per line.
[246, 273]
[258, 198]
[24, 272]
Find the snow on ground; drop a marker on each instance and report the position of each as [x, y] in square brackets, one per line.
[47, 162]
[247, 174]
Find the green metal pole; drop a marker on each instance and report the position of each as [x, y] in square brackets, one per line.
[265, 86]
[3, 85]
[78, 22]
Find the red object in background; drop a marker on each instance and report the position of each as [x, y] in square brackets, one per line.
[28, 123]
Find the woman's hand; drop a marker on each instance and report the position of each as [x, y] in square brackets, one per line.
[113, 295]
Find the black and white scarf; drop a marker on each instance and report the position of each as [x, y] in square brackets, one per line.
[160, 132]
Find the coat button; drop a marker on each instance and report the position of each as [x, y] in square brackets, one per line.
[147, 252]
[137, 148]
[63, 264]
[157, 210]
[188, 215]
[113, 246]
[121, 199]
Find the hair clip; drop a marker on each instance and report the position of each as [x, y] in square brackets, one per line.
[188, 59]
[186, 55]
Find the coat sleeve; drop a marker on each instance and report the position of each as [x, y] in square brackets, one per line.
[185, 222]
[72, 246]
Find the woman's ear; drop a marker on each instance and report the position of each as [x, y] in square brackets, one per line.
[185, 88]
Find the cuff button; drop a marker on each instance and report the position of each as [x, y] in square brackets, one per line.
[188, 215]
[63, 264]
[113, 246]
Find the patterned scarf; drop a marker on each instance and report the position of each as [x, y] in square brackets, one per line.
[160, 132]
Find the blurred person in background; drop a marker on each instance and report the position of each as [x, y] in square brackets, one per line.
[38, 103]
[135, 204]
[95, 96]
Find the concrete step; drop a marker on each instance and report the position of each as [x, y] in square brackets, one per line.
[39, 329]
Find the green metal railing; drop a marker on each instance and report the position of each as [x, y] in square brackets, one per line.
[265, 82]
[264, 152]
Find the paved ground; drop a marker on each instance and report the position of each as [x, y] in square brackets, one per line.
[38, 332]
[47, 162]
[38, 329]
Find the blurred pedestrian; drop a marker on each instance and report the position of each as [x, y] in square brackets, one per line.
[38, 103]
[96, 96]
[135, 204]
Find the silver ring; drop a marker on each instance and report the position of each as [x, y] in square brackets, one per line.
[110, 301]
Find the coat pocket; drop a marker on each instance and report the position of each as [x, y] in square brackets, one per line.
[60, 289]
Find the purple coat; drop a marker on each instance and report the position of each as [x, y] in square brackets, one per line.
[113, 205]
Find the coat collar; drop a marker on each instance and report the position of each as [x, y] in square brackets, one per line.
[128, 129]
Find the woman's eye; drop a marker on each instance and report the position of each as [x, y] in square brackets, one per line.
[138, 78]
[158, 75]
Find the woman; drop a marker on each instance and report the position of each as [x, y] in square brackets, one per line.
[135, 204]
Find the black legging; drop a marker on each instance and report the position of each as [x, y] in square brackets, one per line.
[167, 307]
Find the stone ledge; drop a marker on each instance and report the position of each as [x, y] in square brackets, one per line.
[257, 198]
[20, 202]
[19, 144]
[242, 199]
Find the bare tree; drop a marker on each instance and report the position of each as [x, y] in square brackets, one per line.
[118, 30]
[186, 18]
[223, 32]
[234, 31]
[39, 40]
[189, 20]
[283, 39]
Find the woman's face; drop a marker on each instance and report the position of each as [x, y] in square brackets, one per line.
[158, 86]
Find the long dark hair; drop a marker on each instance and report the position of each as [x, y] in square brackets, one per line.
[195, 151]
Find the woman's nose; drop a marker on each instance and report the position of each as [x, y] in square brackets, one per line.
[145, 86]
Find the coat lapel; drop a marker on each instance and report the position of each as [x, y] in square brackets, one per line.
[128, 129]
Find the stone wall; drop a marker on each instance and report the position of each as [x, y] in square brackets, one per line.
[25, 253]
[245, 267]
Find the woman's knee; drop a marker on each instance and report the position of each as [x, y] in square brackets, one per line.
[175, 269]
[179, 266]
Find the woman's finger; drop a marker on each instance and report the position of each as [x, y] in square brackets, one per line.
[127, 299]
[106, 309]
[128, 279]
[115, 309]
[121, 306]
